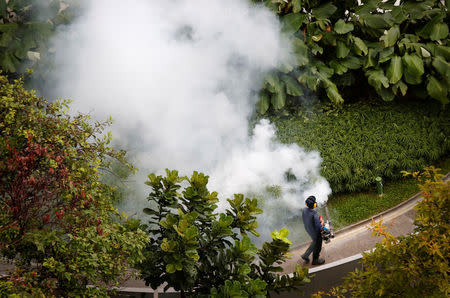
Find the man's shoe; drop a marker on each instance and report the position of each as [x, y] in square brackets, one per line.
[318, 261]
[306, 259]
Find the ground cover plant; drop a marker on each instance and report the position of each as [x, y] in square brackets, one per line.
[346, 209]
[362, 141]
[57, 221]
[415, 265]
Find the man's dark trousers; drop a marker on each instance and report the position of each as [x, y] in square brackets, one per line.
[315, 247]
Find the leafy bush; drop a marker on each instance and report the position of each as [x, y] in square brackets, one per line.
[200, 252]
[415, 265]
[362, 141]
[57, 222]
[399, 48]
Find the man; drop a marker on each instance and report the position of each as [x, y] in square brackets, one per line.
[313, 226]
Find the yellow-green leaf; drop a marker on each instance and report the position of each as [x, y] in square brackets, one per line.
[395, 70]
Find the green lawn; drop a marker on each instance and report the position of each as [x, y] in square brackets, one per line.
[346, 209]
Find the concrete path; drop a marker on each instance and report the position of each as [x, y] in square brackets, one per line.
[348, 241]
[357, 238]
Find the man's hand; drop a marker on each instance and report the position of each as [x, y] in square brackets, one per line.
[321, 221]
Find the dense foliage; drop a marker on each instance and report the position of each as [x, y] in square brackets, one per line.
[399, 49]
[416, 265]
[203, 253]
[25, 31]
[57, 222]
[364, 140]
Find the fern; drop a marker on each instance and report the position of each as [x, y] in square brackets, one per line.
[361, 141]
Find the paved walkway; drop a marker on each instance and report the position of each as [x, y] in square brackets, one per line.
[350, 240]
[357, 238]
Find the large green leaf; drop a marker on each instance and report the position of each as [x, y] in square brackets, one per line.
[386, 54]
[263, 103]
[374, 21]
[398, 14]
[351, 62]
[285, 67]
[342, 50]
[442, 66]
[273, 80]
[413, 64]
[324, 11]
[300, 51]
[334, 95]
[324, 70]
[412, 78]
[439, 31]
[278, 99]
[377, 79]
[426, 31]
[301, 59]
[415, 9]
[400, 86]
[360, 45]
[438, 50]
[370, 59]
[315, 48]
[437, 90]
[386, 94]
[341, 27]
[395, 70]
[338, 67]
[296, 5]
[292, 86]
[292, 22]
[309, 81]
[390, 37]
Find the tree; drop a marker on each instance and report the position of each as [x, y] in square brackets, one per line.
[57, 222]
[200, 253]
[414, 265]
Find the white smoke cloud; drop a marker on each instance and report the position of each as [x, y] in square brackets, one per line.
[263, 162]
[178, 77]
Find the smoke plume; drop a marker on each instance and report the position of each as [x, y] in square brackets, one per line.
[179, 79]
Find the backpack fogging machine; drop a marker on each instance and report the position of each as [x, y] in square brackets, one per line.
[327, 231]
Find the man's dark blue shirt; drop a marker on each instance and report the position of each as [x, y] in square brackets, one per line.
[312, 222]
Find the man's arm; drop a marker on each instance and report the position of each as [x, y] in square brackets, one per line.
[317, 223]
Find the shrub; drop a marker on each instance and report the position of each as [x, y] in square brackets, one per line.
[57, 222]
[364, 140]
[200, 252]
[346, 49]
[415, 265]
